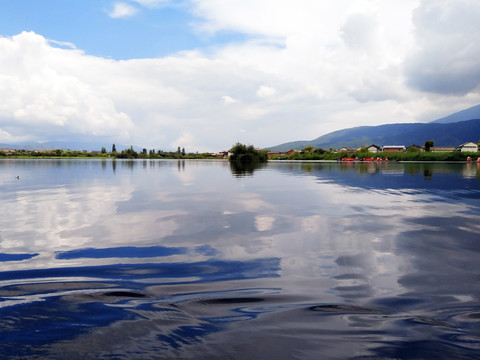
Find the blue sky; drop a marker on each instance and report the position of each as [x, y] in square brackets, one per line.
[89, 25]
[204, 74]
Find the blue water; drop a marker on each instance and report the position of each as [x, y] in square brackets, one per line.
[158, 259]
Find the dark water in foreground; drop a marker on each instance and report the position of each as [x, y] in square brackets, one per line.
[195, 260]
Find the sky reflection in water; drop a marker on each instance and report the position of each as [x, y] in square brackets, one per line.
[192, 259]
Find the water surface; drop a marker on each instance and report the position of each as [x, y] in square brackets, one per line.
[153, 259]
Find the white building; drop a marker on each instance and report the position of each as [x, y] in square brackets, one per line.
[468, 147]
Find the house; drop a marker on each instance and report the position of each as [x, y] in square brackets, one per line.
[290, 152]
[374, 148]
[8, 151]
[275, 154]
[394, 148]
[442, 149]
[347, 149]
[468, 147]
[222, 154]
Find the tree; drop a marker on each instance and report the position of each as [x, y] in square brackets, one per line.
[428, 145]
[103, 151]
[183, 151]
[128, 154]
[308, 149]
[413, 148]
[114, 149]
[243, 153]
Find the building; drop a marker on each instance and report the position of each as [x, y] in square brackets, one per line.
[347, 149]
[374, 148]
[272, 154]
[394, 148]
[442, 149]
[468, 147]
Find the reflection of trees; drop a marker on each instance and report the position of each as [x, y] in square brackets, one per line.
[242, 169]
[181, 165]
[427, 173]
[129, 164]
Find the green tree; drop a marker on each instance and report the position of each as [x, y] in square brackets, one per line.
[183, 151]
[103, 151]
[243, 153]
[428, 145]
[308, 149]
[128, 154]
[114, 149]
[413, 149]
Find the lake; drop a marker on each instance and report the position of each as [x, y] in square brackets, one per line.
[167, 259]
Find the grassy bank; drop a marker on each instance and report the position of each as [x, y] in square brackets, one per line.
[403, 156]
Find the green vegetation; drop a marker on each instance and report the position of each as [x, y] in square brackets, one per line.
[129, 153]
[243, 154]
[247, 154]
[412, 154]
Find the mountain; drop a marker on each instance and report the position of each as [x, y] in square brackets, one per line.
[444, 132]
[467, 114]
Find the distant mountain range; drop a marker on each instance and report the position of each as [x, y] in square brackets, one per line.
[452, 130]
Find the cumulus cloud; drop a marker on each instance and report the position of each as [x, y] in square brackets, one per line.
[122, 10]
[326, 65]
[43, 97]
[446, 58]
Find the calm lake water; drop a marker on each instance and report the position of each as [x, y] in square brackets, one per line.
[109, 259]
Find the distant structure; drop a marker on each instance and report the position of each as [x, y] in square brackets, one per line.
[394, 148]
[468, 147]
[442, 149]
[374, 148]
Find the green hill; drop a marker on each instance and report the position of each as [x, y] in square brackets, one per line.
[449, 134]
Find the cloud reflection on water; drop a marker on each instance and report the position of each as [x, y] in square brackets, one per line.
[396, 240]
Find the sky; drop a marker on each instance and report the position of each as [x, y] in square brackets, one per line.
[205, 74]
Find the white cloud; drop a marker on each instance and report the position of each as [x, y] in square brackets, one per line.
[151, 3]
[446, 58]
[228, 100]
[42, 97]
[266, 91]
[326, 65]
[122, 10]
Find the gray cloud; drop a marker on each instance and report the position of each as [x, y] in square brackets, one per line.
[446, 61]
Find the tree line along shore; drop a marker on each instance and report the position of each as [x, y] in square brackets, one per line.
[243, 153]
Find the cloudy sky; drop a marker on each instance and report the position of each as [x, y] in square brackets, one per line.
[204, 74]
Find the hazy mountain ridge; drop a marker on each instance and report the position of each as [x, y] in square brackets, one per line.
[467, 114]
[451, 130]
